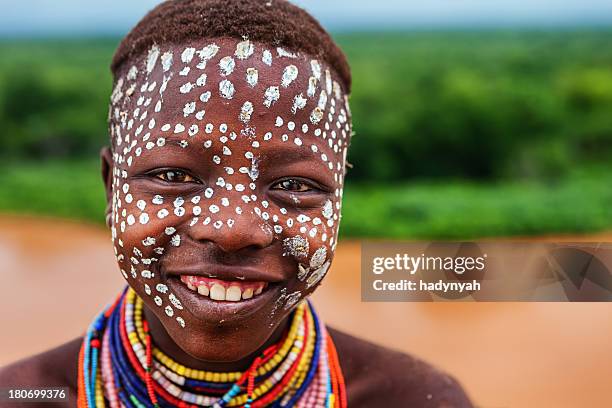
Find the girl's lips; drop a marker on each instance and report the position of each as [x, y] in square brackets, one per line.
[223, 290]
[205, 309]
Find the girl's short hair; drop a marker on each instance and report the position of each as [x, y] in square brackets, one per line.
[277, 23]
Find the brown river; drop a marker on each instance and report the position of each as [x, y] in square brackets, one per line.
[505, 354]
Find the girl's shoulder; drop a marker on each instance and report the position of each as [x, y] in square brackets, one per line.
[53, 368]
[377, 376]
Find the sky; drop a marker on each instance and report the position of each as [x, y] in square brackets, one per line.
[87, 17]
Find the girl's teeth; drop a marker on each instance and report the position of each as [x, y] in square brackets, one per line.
[233, 294]
[248, 293]
[217, 292]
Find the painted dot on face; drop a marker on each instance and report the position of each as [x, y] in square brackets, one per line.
[290, 73]
[244, 49]
[169, 311]
[157, 200]
[193, 130]
[189, 109]
[271, 95]
[208, 193]
[205, 97]
[252, 76]
[186, 88]
[175, 301]
[201, 81]
[226, 89]
[187, 55]
[267, 57]
[227, 65]
[144, 218]
[299, 102]
[316, 116]
[245, 112]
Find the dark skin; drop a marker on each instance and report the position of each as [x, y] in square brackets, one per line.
[217, 337]
[291, 177]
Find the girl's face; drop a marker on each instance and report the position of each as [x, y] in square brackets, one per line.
[225, 186]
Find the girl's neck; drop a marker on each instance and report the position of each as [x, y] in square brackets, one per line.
[164, 342]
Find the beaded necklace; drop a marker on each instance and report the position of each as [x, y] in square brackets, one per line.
[119, 366]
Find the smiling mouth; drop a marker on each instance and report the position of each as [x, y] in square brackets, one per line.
[223, 290]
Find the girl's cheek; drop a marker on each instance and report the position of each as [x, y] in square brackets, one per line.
[143, 247]
[310, 239]
[144, 227]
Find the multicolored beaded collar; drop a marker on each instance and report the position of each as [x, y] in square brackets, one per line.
[120, 367]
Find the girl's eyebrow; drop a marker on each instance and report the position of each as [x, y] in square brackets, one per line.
[287, 153]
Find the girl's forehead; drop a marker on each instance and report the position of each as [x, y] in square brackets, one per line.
[241, 89]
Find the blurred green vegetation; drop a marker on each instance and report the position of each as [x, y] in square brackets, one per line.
[458, 134]
[480, 105]
[442, 209]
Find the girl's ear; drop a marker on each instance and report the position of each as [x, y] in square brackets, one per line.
[106, 157]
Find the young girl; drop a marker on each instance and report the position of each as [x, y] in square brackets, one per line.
[229, 124]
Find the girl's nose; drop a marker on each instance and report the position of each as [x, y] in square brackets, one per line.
[235, 231]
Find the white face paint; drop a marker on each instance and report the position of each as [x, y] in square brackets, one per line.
[240, 110]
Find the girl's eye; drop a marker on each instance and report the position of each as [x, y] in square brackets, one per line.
[175, 176]
[293, 185]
